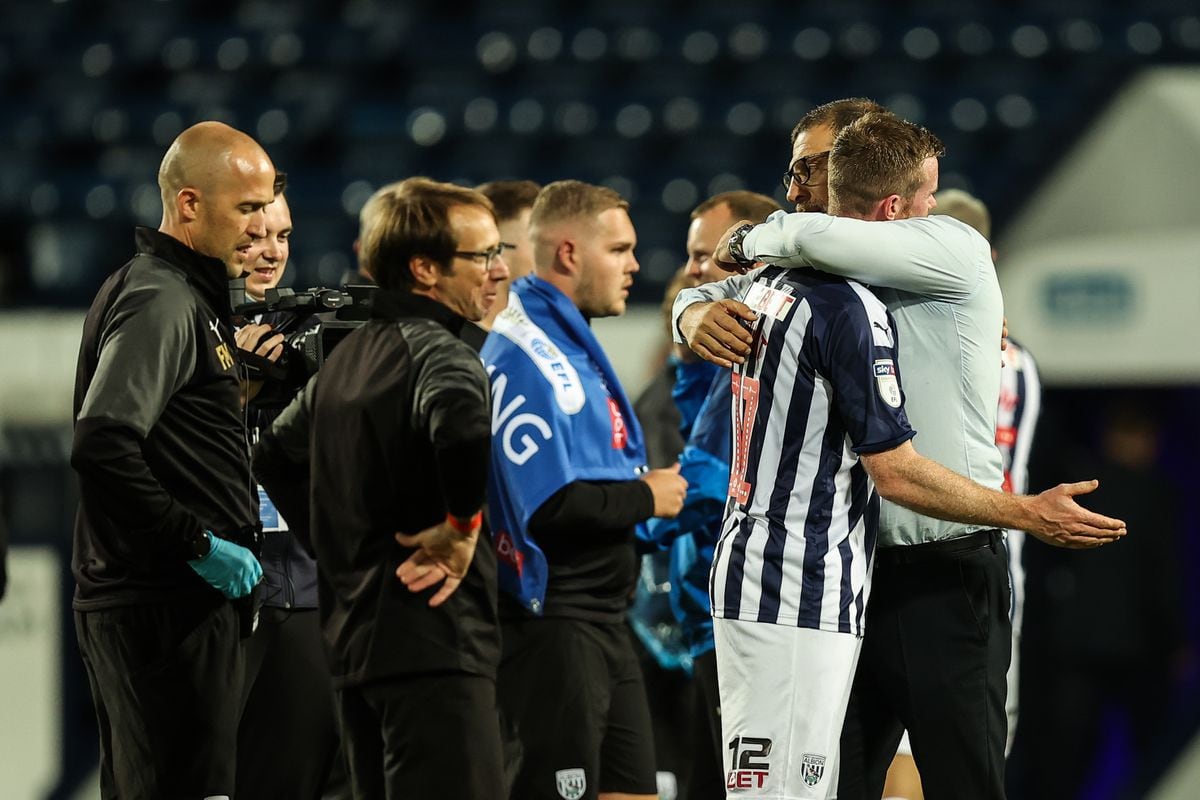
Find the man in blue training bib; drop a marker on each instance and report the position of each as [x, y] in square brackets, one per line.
[567, 492]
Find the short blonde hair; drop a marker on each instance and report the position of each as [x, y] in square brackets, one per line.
[878, 155]
[570, 200]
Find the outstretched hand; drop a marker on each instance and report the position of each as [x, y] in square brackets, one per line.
[443, 555]
[715, 331]
[1064, 523]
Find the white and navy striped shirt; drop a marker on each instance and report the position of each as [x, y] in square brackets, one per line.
[820, 387]
[1016, 418]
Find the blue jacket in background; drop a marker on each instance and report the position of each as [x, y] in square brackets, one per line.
[703, 395]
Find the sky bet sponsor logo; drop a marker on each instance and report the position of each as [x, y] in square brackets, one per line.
[750, 766]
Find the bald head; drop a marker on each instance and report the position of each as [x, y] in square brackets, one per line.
[206, 154]
[215, 182]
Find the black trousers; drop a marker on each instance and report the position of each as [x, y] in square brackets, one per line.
[934, 659]
[707, 780]
[422, 736]
[574, 691]
[167, 684]
[288, 743]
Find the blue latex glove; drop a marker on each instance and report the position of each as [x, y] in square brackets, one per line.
[229, 568]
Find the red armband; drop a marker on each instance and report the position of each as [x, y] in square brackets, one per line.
[465, 528]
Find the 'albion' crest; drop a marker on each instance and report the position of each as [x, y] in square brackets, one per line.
[812, 767]
[572, 783]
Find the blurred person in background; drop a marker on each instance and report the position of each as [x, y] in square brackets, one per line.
[567, 491]
[657, 406]
[1016, 421]
[288, 736]
[428, 652]
[3, 554]
[1084, 668]
[269, 259]
[701, 397]
[513, 201]
[166, 498]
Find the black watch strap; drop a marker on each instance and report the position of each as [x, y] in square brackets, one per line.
[735, 244]
[200, 545]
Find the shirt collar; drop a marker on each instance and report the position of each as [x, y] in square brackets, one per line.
[204, 272]
[392, 305]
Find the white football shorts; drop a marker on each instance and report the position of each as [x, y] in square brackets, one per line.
[784, 692]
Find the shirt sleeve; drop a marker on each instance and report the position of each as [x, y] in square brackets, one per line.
[858, 354]
[732, 288]
[583, 507]
[147, 353]
[938, 257]
[452, 404]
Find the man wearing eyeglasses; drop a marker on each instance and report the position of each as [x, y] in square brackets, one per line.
[400, 432]
[711, 327]
[513, 200]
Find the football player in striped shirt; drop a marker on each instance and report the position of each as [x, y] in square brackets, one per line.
[818, 427]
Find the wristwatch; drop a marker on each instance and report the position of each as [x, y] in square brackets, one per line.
[200, 545]
[735, 244]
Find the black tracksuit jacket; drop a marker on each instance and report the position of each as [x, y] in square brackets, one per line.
[160, 437]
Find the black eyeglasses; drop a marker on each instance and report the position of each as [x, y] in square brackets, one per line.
[488, 255]
[802, 172]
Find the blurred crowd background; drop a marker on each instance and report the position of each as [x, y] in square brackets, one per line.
[1076, 121]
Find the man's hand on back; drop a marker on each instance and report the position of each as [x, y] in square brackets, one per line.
[442, 553]
[715, 331]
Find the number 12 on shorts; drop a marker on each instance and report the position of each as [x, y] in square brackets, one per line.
[745, 409]
[749, 767]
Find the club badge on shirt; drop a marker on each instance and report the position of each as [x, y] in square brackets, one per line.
[885, 380]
